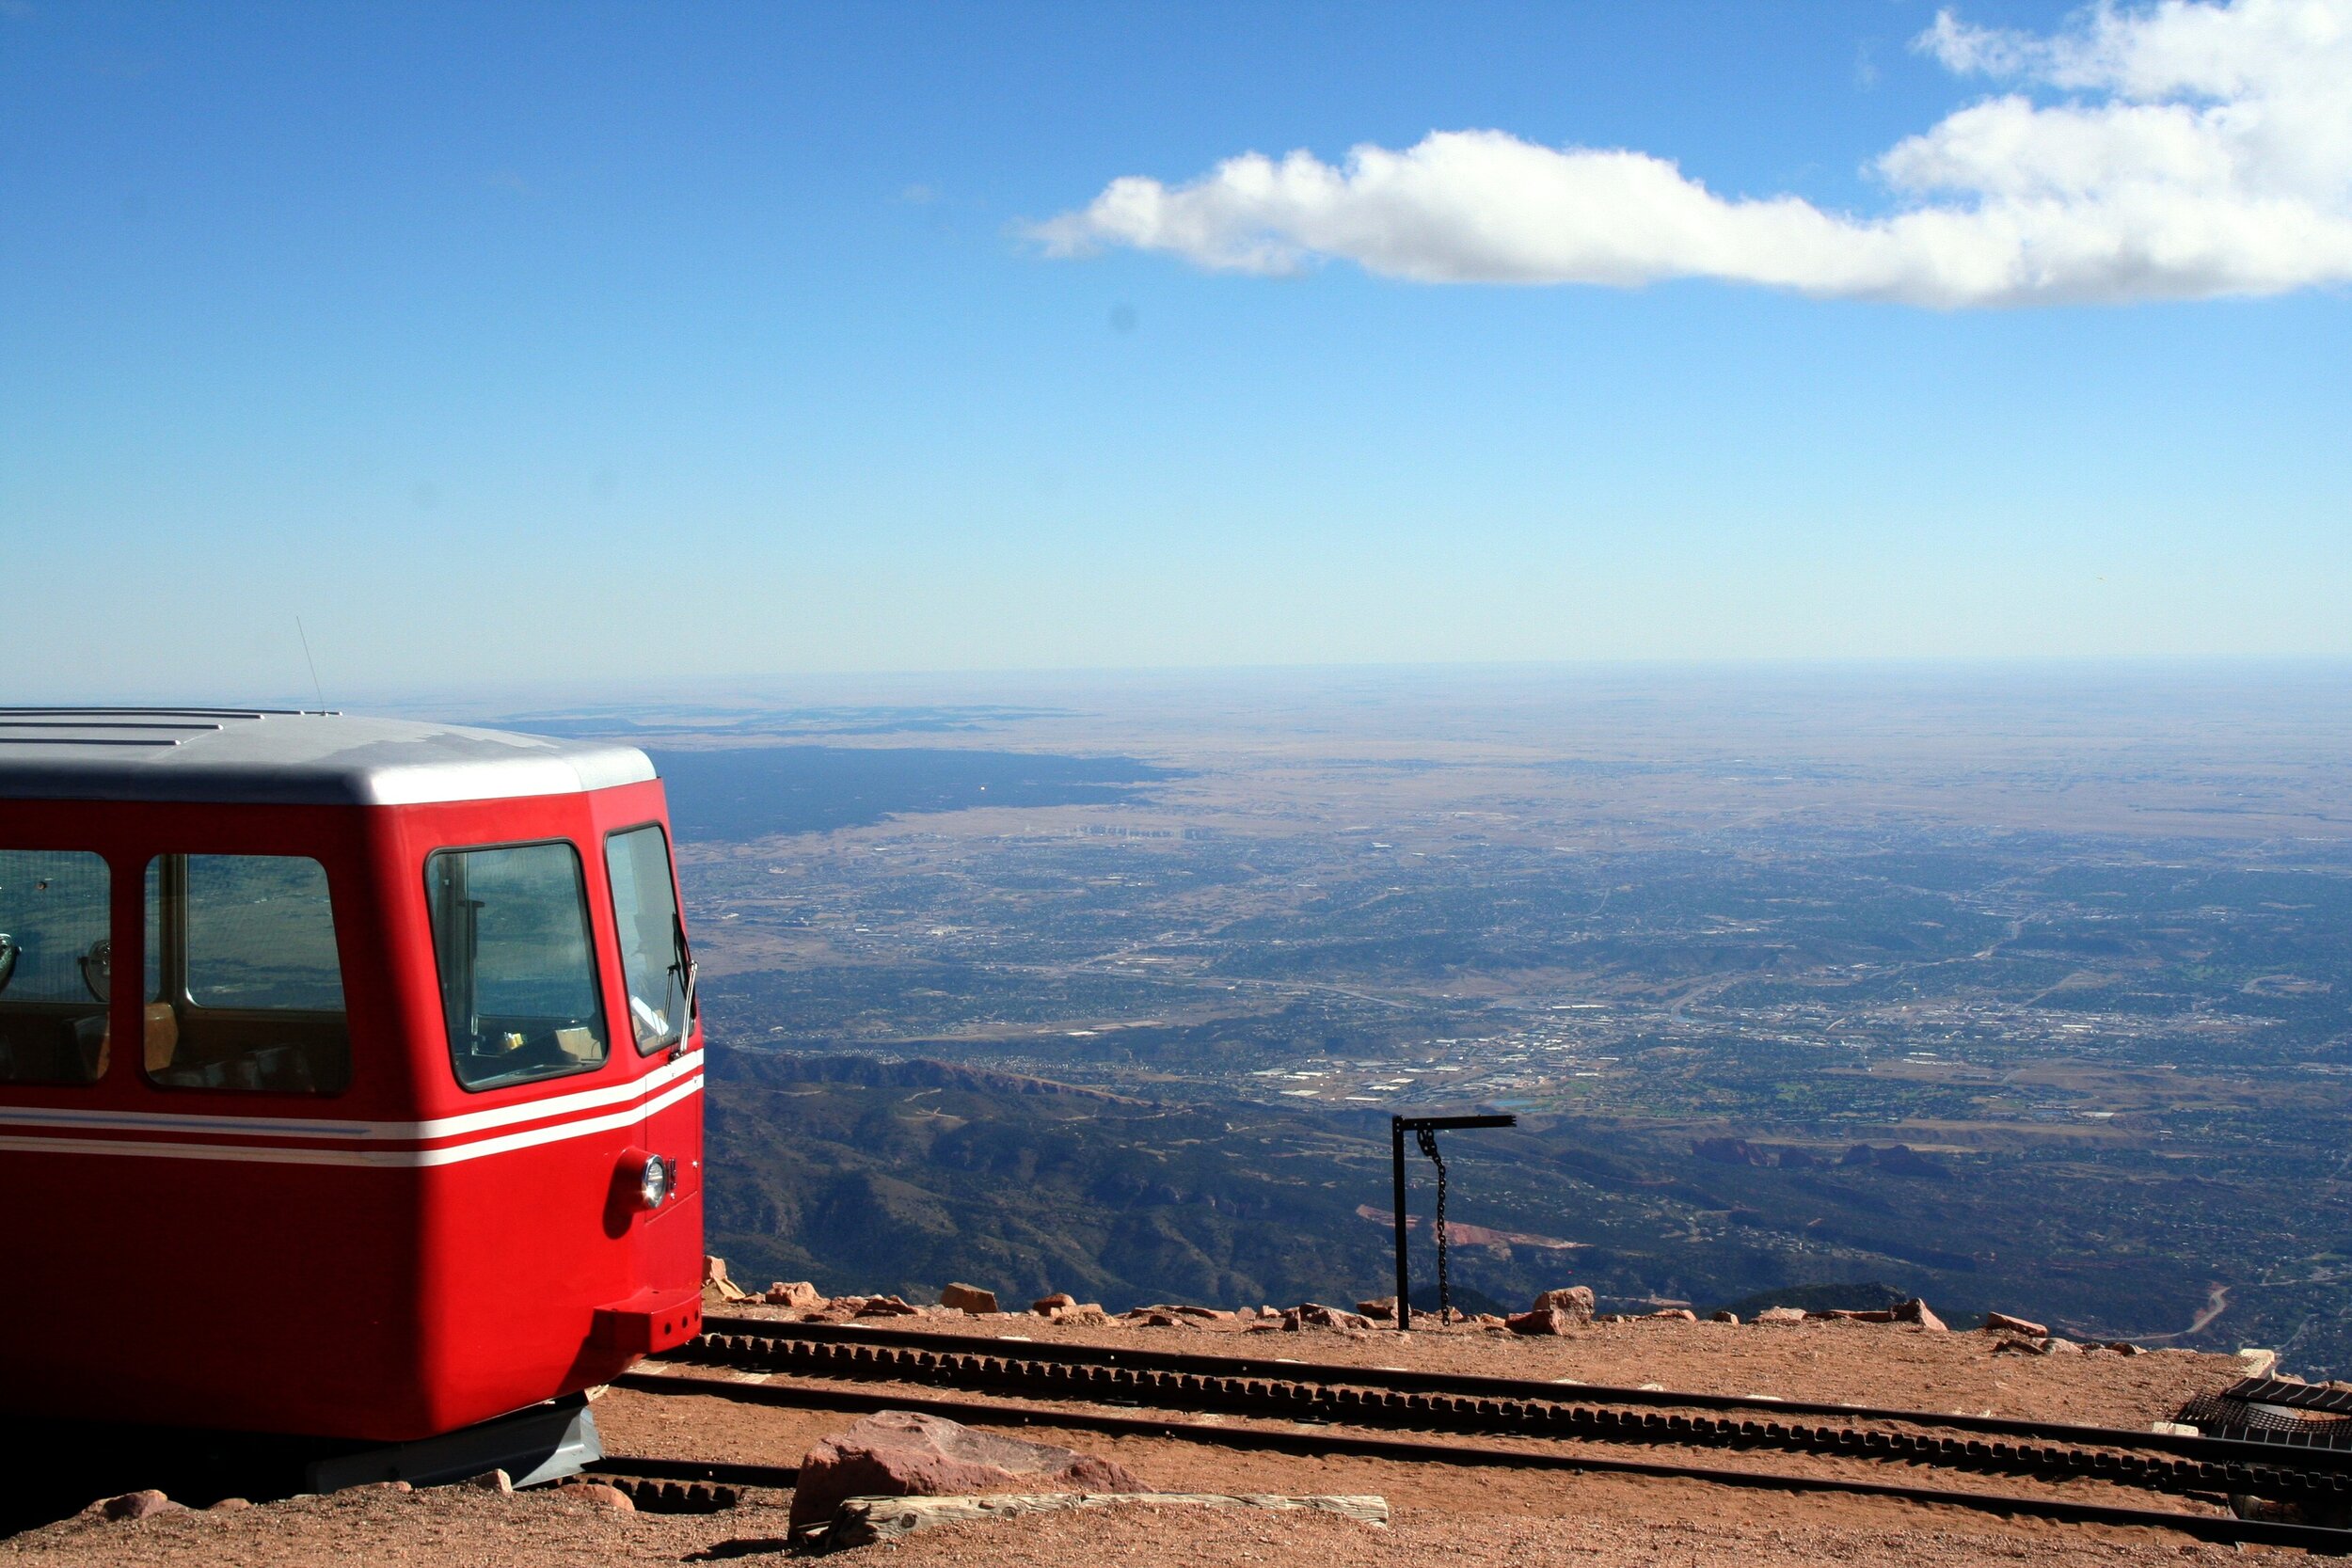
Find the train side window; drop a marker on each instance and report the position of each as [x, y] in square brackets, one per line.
[55, 968]
[518, 972]
[653, 942]
[244, 988]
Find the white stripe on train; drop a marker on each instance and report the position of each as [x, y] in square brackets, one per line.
[403, 1159]
[368, 1131]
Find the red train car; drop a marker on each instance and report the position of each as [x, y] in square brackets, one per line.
[350, 1078]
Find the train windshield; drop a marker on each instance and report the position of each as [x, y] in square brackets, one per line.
[653, 941]
[53, 966]
[518, 972]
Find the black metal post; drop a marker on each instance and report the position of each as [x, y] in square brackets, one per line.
[1396, 1163]
[1398, 1127]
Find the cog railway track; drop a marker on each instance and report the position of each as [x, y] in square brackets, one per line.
[1335, 1409]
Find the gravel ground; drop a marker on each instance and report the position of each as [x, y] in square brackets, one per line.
[1464, 1517]
[1651, 1526]
[1204, 1540]
[447, 1527]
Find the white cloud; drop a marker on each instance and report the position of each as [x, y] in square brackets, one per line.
[2198, 149]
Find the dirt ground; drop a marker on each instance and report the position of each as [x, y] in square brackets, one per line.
[1463, 1516]
[1647, 1525]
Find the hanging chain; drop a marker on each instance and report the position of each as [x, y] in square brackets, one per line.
[1428, 1140]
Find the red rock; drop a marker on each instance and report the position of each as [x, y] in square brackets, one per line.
[1060, 1301]
[886, 1306]
[1384, 1309]
[490, 1480]
[1917, 1311]
[229, 1505]
[898, 1453]
[1173, 1313]
[1845, 1314]
[1543, 1320]
[715, 1280]
[1676, 1314]
[1780, 1315]
[598, 1495]
[793, 1292]
[2001, 1322]
[133, 1505]
[968, 1298]
[1313, 1314]
[1575, 1300]
[1731, 1318]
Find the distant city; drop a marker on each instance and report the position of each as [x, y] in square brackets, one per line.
[2022, 998]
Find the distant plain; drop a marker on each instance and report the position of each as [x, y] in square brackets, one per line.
[2022, 987]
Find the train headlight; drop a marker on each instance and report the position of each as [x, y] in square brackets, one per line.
[655, 1182]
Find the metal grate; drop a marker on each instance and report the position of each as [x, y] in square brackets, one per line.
[2271, 1410]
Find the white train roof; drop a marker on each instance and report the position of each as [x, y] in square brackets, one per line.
[288, 757]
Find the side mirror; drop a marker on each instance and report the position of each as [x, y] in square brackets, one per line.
[98, 968]
[8, 950]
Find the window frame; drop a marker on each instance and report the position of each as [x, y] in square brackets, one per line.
[678, 913]
[152, 864]
[597, 958]
[107, 1066]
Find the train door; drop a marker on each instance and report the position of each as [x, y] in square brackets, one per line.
[658, 971]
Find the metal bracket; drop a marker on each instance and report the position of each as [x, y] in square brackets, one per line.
[1425, 1130]
[544, 1443]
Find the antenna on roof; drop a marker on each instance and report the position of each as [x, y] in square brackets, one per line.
[311, 663]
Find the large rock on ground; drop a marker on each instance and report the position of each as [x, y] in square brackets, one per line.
[898, 1453]
[2001, 1322]
[1543, 1319]
[1575, 1300]
[1780, 1315]
[794, 1292]
[1313, 1314]
[869, 1520]
[1917, 1311]
[968, 1298]
[133, 1505]
[715, 1281]
[1063, 1307]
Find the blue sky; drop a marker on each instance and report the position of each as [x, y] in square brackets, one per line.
[508, 344]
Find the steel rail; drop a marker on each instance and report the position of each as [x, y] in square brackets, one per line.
[2224, 1449]
[2206, 1526]
[1388, 1398]
[686, 1485]
[640, 1467]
